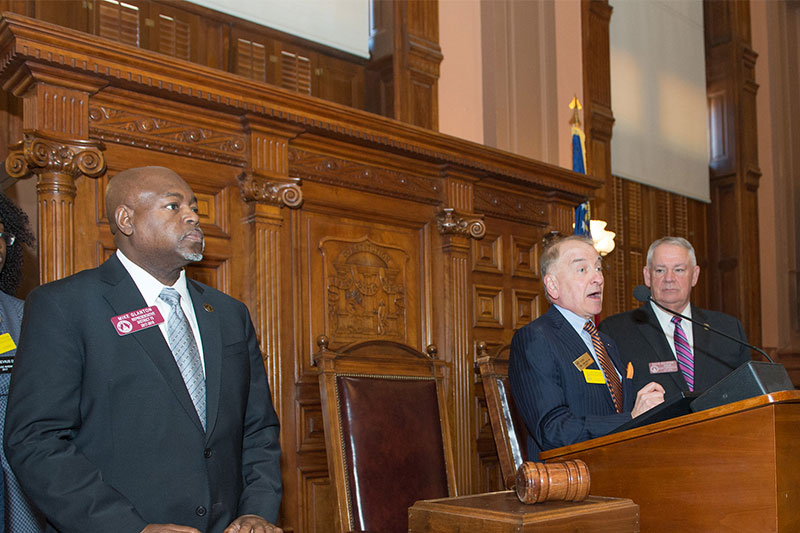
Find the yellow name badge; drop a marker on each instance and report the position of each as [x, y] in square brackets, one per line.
[583, 361]
[593, 376]
[6, 343]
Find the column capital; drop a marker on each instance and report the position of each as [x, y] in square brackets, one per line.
[39, 154]
[452, 222]
[255, 188]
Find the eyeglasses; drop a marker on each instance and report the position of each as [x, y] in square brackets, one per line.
[9, 237]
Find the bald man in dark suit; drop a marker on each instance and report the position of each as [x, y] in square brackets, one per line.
[139, 400]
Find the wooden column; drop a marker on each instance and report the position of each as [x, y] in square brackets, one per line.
[733, 214]
[599, 122]
[56, 148]
[457, 224]
[403, 74]
[267, 188]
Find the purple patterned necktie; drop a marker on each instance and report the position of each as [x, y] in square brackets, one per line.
[684, 353]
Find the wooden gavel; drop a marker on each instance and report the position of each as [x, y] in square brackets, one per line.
[540, 482]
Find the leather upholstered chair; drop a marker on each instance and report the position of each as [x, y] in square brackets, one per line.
[386, 432]
[508, 428]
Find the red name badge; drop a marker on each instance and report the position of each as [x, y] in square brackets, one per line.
[137, 320]
[663, 367]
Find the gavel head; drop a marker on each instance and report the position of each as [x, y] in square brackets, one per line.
[540, 482]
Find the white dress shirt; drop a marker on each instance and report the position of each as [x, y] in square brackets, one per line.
[150, 288]
[665, 321]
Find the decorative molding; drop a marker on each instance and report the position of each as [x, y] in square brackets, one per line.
[38, 153]
[487, 306]
[517, 208]
[451, 222]
[154, 133]
[151, 73]
[335, 171]
[487, 254]
[257, 189]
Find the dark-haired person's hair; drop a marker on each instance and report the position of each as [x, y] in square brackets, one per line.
[15, 221]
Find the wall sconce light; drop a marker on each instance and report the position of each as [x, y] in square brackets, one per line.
[603, 240]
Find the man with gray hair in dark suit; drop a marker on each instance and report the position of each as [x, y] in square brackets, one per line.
[661, 347]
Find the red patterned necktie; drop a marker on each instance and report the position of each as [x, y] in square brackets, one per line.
[683, 352]
[612, 379]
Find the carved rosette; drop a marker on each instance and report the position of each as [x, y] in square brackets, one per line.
[256, 189]
[451, 222]
[38, 153]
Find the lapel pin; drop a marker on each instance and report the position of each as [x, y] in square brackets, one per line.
[208, 307]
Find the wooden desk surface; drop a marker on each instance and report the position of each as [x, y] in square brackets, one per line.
[500, 512]
[732, 468]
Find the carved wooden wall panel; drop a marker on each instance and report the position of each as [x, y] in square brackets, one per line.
[321, 219]
[508, 293]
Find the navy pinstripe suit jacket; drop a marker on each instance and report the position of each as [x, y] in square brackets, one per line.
[558, 405]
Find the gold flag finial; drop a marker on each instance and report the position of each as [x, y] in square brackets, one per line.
[576, 106]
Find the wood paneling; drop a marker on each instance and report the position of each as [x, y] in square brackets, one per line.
[733, 213]
[321, 218]
[403, 72]
[187, 31]
[641, 215]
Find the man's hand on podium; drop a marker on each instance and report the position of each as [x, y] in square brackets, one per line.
[648, 397]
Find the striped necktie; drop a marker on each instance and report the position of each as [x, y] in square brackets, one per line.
[184, 350]
[683, 352]
[612, 379]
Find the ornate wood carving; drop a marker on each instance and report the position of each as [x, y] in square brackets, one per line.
[267, 187]
[367, 197]
[451, 222]
[157, 133]
[511, 207]
[366, 290]
[344, 173]
[257, 189]
[57, 164]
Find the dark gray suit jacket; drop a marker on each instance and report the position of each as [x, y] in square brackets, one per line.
[641, 341]
[18, 513]
[558, 405]
[101, 430]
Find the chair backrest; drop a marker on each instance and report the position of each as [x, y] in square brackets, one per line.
[508, 428]
[386, 431]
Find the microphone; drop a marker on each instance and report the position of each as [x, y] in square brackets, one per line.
[642, 293]
[749, 380]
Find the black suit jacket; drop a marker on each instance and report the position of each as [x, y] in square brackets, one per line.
[641, 341]
[558, 405]
[101, 430]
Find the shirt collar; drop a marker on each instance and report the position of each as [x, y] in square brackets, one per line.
[574, 319]
[148, 285]
[665, 317]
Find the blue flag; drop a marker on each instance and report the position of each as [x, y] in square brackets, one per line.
[578, 138]
[582, 217]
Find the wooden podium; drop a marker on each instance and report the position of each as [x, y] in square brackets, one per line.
[502, 512]
[732, 468]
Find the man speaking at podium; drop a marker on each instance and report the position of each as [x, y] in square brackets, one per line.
[567, 379]
[662, 347]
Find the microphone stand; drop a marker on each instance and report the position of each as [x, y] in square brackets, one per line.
[708, 327]
[753, 378]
